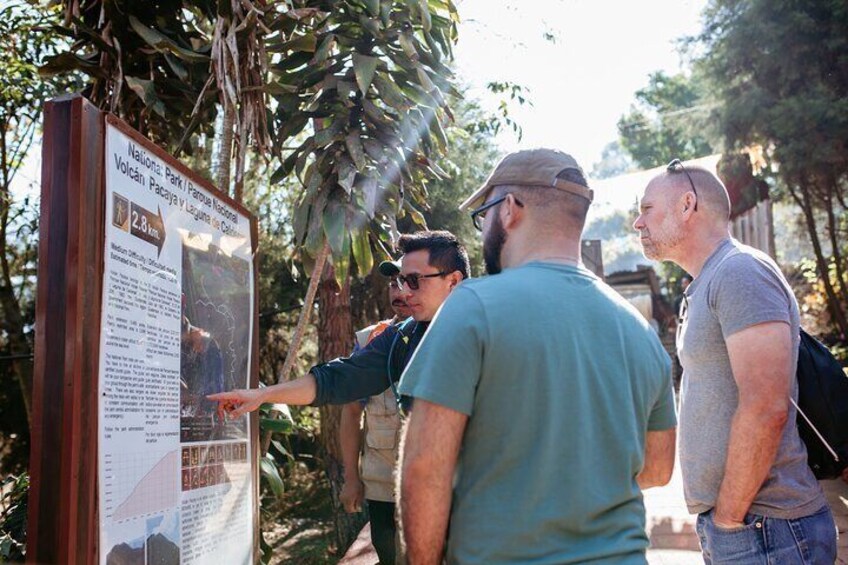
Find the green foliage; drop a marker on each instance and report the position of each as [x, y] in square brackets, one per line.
[780, 72]
[282, 472]
[367, 84]
[492, 125]
[280, 284]
[150, 67]
[277, 456]
[281, 425]
[298, 528]
[472, 156]
[614, 161]
[24, 45]
[270, 475]
[13, 517]
[359, 88]
[669, 120]
[671, 274]
[811, 292]
[21, 89]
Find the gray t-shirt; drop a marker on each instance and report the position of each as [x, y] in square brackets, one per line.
[738, 287]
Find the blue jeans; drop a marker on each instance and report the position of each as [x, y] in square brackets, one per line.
[810, 540]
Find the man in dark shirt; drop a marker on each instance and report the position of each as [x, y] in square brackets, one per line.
[433, 264]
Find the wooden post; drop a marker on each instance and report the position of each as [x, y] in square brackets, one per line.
[593, 259]
[62, 521]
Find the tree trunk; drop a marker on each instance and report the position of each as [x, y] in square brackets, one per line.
[13, 319]
[225, 150]
[804, 202]
[335, 339]
[832, 229]
[19, 347]
[299, 331]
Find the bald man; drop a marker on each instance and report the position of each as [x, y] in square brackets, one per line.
[744, 466]
[543, 400]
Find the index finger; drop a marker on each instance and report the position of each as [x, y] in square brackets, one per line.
[239, 411]
[232, 395]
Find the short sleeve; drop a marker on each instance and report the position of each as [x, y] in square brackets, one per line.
[445, 369]
[662, 415]
[746, 292]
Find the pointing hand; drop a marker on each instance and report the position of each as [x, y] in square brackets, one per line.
[236, 403]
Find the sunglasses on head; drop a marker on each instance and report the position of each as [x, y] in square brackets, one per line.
[682, 317]
[676, 166]
[413, 280]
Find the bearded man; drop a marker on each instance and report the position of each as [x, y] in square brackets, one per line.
[542, 399]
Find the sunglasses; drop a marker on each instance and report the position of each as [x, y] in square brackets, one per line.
[479, 214]
[413, 280]
[676, 166]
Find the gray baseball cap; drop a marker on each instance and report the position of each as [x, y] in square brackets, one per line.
[531, 167]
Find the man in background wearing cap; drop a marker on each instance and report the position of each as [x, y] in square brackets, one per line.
[557, 406]
[375, 484]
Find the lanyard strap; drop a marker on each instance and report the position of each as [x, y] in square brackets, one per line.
[390, 365]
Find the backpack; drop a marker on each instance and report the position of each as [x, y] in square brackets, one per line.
[822, 408]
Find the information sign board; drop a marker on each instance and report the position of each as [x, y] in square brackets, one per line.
[177, 320]
[146, 304]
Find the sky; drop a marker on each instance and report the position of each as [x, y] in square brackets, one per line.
[581, 83]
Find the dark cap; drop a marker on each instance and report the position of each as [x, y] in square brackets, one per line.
[532, 167]
[389, 268]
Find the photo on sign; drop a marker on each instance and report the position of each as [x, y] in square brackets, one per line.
[163, 534]
[120, 212]
[129, 551]
[215, 337]
[159, 544]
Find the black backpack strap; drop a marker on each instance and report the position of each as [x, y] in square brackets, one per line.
[397, 353]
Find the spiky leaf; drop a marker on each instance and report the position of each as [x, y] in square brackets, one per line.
[364, 68]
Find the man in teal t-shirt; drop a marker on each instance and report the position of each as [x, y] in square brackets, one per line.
[543, 400]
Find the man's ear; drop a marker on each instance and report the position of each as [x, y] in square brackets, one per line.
[455, 278]
[511, 211]
[688, 204]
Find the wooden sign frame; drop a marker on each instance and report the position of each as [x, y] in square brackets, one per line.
[63, 521]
